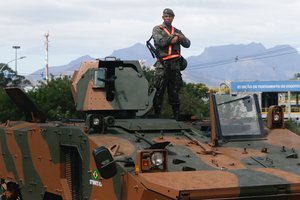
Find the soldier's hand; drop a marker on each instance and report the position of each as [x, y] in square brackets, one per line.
[180, 36]
[175, 39]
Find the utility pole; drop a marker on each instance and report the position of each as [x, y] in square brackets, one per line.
[46, 55]
[16, 57]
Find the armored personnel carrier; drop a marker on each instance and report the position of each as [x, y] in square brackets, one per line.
[117, 154]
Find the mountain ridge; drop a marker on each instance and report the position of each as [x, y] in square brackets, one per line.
[216, 64]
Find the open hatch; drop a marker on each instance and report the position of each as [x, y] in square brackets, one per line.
[24, 103]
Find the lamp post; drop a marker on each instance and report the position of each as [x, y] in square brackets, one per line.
[22, 57]
[16, 58]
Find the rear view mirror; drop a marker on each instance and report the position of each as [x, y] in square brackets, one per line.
[104, 162]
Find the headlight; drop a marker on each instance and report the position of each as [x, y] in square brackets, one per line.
[157, 158]
[151, 160]
[276, 117]
[96, 121]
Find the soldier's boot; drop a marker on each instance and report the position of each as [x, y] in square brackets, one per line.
[176, 111]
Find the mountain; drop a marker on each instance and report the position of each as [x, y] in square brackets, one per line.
[243, 62]
[215, 64]
[135, 52]
[67, 69]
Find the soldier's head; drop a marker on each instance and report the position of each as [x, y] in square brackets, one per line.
[168, 16]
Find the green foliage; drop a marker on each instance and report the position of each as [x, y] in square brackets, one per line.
[198, 90]
[8, 110]
[149, 74]
[192, 101]
[55, 98]
[296, 77]
[8, 77]
[193, 97]
[292, 126]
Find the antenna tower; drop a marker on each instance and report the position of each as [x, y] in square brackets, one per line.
[46, 55]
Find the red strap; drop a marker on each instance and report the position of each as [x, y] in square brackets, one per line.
[167, 31]
[170, 56]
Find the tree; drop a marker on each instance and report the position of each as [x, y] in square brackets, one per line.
[8, 77]
[193, 98]
[8, 110]
[296, 76]
[196, 89]
[55, 98]
[149, 74]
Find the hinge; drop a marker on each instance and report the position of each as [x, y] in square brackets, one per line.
[184, 196]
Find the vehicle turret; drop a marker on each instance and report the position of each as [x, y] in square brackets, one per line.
[111, 86]
[109, 89]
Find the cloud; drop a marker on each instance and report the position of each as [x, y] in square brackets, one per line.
[80, 27]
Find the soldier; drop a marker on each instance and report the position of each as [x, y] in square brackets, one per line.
[167, 40]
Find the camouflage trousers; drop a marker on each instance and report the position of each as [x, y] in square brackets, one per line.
[167, 77]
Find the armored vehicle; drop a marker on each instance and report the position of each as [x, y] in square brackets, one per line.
[116, 153]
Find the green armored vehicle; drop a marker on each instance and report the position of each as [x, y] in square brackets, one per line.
[116, 153]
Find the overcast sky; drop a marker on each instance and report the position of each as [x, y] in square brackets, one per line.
[97, 27]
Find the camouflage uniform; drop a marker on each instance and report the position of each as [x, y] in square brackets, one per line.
[167, 75]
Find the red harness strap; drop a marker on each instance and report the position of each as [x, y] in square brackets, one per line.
[170, 55]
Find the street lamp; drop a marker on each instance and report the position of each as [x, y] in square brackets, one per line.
[22, 57]
[16, 48]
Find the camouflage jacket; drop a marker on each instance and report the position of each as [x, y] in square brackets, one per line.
[162, 40]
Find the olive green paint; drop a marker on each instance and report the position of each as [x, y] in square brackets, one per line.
[34, 187]
[63, 136]
[7, 157]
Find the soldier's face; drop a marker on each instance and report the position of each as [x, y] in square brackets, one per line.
[168, 19]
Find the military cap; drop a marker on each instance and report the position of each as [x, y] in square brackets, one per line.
[168, 11]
